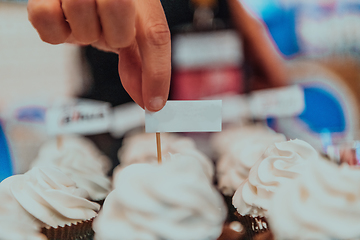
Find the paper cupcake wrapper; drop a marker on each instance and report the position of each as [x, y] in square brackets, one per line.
[230, 234]
[253, 225]
[264, 236]
[78, 231]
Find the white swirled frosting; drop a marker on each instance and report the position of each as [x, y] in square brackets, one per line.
[281, 162]
[222, 141]
[80, 160]
[48, 197]
[141, 148]
[323, 203]
[234, 165]
[13, 228]
[173, 200]
[15, 222]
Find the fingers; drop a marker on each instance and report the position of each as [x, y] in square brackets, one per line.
[145, 53]
[48, 19]
[118, 21]
[130, 72]
[83, 20]
[153, 37]
[259, 49]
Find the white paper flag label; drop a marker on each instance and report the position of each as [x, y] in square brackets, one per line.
[83, 117]
[279, 102]
[185, 116]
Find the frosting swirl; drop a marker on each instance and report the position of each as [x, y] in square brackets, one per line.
[173, 200]
[281, 162]
[234, 166]
[80, 160]
[222, 141]
[17, 229]
[51, 197]
[15, 222]
[324, 203]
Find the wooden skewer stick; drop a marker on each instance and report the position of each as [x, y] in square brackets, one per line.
[158, 145]
[59, 142]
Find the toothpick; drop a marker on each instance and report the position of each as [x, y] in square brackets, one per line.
[59, 141]
[158, 145]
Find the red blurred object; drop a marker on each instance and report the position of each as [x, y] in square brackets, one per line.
[195, 84]
[348, 155]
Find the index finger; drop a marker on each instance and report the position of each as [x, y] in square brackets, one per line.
[153, 37]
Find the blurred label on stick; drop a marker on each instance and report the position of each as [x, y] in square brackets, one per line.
[126, 117]
[78, 117]
[206, 64]
[185, 116]
[279, 102]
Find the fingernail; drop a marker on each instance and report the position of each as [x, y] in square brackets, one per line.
[156, 103]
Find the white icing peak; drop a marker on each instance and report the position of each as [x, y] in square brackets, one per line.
[323, 203]
[173, 200]
[234, 165]
[141, 148]
[80, 160]
[50, 197]
[282, 162]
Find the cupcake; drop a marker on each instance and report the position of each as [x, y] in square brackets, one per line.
[48, 200]
[78, 158]
[281, 163]
[141, 148]
[173, 200]
[247, 145]
[234, 166]
[323, 203]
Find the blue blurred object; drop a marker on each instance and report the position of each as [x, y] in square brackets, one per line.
[326, 119]
[6, 169]
[281, 22]
[323, 111]
[31, 114]
[322, 114]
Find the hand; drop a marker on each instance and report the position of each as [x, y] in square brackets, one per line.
[263, 58]
[135, 29]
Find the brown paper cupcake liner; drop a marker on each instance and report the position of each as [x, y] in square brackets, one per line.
[253, 225]
[229, 233]
[268, 235]
[79, 231]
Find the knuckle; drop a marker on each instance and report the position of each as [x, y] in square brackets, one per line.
[42, 18]
[115, 4]
[40, 12]
[158, 34]
[79, 4]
